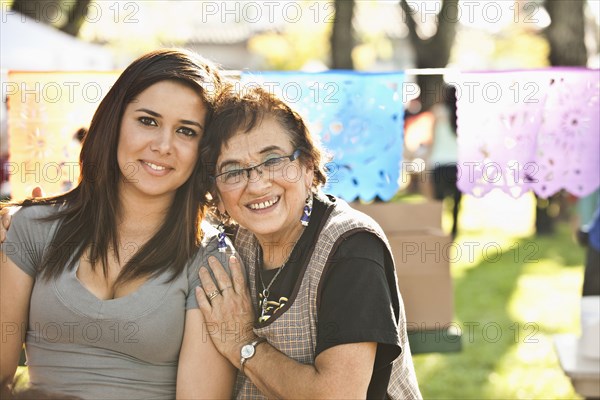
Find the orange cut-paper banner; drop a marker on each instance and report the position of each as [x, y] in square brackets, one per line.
[45, 112]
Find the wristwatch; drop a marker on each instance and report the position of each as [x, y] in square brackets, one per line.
[248, 351]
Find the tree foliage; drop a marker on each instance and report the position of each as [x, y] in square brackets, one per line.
[68, 16]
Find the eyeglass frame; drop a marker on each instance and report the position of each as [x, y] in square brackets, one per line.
[258, 167]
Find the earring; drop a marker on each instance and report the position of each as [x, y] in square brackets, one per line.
[221, 245]
[307, 210]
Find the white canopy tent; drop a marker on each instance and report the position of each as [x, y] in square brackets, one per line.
[30, 45]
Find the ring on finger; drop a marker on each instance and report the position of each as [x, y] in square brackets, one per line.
[213, 294]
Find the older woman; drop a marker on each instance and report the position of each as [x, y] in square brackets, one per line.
[322, 317]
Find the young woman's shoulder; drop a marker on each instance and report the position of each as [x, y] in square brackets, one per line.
[210, 247]
[34, 213]
[31, 230]
[37, 211]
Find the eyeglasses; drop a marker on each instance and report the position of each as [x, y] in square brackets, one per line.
[241, 176]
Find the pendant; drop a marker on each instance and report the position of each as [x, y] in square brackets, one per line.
[265, 295]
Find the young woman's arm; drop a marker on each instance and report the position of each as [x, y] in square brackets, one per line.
[203, 373]
[15, 293]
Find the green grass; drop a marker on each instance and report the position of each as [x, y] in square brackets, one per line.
[508, 303]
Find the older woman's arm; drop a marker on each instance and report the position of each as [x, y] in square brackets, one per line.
[342, 371]
[15, 294]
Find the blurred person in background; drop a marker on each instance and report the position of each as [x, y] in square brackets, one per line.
[444, 153]
[590, 238]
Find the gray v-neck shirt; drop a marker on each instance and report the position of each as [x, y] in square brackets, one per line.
[124, 348]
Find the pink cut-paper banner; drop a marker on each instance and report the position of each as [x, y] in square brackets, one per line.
[529, 130]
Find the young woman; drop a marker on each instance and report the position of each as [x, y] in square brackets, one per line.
[323, 296]
[98, 282]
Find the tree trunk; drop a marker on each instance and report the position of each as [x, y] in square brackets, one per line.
[566, 32]
[342, 37]
[76, 17]
[433, 52]
[51, 11]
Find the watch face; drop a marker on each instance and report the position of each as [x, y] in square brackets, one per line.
[247, 351]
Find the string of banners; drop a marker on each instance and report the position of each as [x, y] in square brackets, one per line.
[517, 130]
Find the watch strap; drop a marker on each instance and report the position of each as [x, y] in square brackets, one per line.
[254, 344]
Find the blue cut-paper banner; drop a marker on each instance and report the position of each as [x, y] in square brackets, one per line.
[359, 118]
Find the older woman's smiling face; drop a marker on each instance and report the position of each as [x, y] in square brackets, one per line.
[268, 203]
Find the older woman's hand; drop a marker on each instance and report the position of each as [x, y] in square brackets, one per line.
[7, 212]
[5, 215]
[227, 308]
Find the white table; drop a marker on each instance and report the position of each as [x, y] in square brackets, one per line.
[584, 372]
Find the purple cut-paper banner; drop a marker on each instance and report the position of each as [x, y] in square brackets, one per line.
[529, 130]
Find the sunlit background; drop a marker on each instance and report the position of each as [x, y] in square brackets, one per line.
[526, 282]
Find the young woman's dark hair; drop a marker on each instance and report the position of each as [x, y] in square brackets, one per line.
[89, 212]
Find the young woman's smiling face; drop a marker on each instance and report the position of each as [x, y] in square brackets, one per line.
[159, 136]
[267, 202]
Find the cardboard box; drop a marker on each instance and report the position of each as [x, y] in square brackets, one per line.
[422, 254]
[428, 301]
[423, 268]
